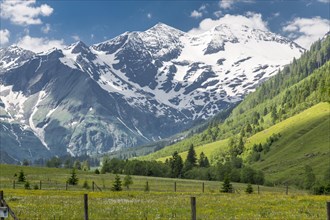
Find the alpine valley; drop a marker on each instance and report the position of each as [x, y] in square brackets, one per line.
[131, 90]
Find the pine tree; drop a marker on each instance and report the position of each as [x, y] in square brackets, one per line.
[203, 161]
[249, 189]
[227, 187]
[248, 128]
[191, 159]
[117, 184]
[176, 165]
[21, 177]
[128, 181]
[73, 179]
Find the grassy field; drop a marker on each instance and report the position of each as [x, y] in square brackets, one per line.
[161, 202]
[304, 140]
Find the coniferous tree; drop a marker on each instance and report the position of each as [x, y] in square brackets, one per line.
[21, 177]
[203, 160]
[227, 187]
[191, 159]
[117, 184]
[176, 165]
[73, 179]
[274, 115]
[249, 189]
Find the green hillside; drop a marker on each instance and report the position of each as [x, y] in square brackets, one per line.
[281, 127]
[304, 141]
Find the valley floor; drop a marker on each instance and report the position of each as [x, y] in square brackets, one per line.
[161, 202]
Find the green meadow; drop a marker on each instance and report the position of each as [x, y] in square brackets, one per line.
[161, 202]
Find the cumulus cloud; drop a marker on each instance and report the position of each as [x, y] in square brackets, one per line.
[253, 20]
[4, 36]
[217, 14]
[149, 15]
[196, 14]
[305, 31]
[24, 12]
[45, 29]
[37, 44]
[228, 4]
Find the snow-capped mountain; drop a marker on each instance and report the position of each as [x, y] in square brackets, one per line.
[130, 90]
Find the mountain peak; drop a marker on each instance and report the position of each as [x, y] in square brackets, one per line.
[161, 27]
[77, 47]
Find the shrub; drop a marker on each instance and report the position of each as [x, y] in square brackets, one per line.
[85, 185]
[249, 189]
[128, 181]
[27, 185]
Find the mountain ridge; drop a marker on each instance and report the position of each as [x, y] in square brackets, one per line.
[134, 88]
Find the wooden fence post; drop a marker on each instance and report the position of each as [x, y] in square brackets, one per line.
[86, 206]
[93, 186]
[174, 186]
[258, 190]
[66, 186]
[203, 187]
[40, 184]
[287, 189]
[14, 184]
[193, 208]
[328, 210]
[1, 198]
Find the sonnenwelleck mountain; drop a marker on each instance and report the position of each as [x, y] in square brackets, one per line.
[130, 90]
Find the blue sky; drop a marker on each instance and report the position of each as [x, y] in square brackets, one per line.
[38, 25]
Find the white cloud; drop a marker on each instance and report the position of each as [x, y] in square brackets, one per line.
[202, 8]
[228, 4]
[24, 12]
[37, 45]
[92, 36]
[324, 1]
[196, 14]
[149, 15]
[217, 14]
[45, 29]
[253, 20]
[4, 36]
[75, 37]
[305, 31]
[276, 14]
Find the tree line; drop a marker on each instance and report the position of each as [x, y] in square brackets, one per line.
[192, 167]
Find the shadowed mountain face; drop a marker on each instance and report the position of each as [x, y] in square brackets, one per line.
[130, 90]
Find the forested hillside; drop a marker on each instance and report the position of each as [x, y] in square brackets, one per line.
[300, 85]
[281, 129]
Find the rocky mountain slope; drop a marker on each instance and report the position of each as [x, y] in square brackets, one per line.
[130, 90]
